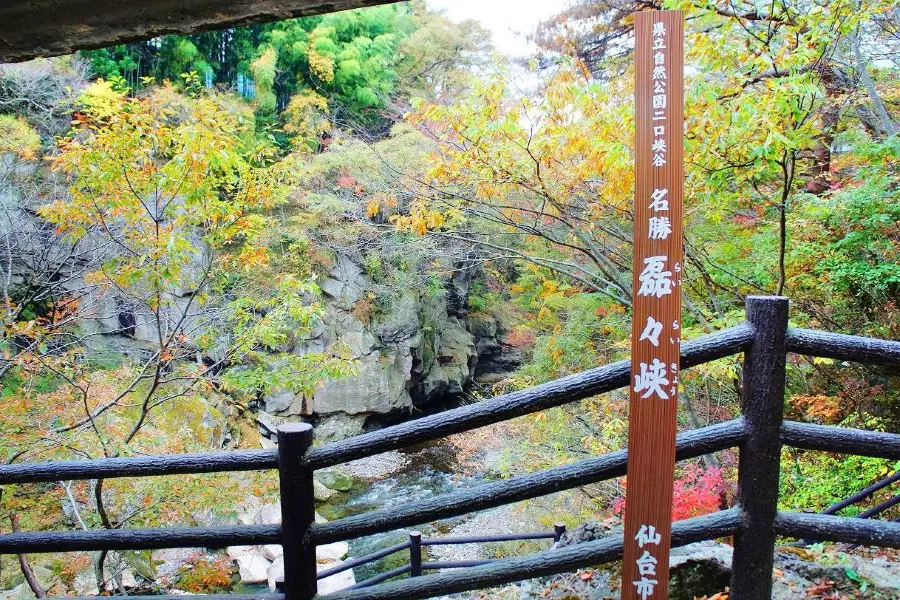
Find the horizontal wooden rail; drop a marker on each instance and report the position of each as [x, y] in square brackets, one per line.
[810, 526]
[879, 508]
[379, 578]
[689, 444]
[862, 494]
[455, 564]
[501, 408]
[355, 562]
[812, 342]
[295, 469]
[859, 442]
[548, 562]
[555, 393]
[482, 539]
[139, 539]
[139, 466]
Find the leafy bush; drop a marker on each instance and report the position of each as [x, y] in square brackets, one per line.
[19, 138]
[697, 491]
[207, 576]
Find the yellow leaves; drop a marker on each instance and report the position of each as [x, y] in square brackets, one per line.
[321, 66]
[155, 174]
[18, 137]
[538, 157]
[544, 315]
[556, 355]
[435, 220]
[373, 207]
[420, 220]
[548, 288]
[305, 119]
[100, 101]
[251, 257]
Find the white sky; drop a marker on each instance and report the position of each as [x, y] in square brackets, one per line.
[510, 21]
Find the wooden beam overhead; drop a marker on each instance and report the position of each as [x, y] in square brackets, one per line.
[35, 28]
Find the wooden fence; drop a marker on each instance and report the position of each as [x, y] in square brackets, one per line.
[416, 565]
[759, 433]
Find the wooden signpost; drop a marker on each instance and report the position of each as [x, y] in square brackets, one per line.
[655, 330]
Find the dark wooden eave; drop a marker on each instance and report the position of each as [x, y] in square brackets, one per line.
[33, 28]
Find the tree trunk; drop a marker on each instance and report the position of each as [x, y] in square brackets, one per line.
[886, 124]
[30, 577]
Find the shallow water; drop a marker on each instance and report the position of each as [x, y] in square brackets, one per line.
[428, 472]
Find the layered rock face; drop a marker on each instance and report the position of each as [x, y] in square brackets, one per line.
[416, 349]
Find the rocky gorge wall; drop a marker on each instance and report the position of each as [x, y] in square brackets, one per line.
[419, 349]
[414, 347]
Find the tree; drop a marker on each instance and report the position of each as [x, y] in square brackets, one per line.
[360, 61]
[776, 79]
[166, 199]
[550, 171]
[220, 57]
[548, 179]
[350, 58]
[43, 92]
[439, 55]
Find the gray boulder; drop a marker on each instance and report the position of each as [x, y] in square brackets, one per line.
[335, 479]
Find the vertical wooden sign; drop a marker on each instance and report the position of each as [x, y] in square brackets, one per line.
[655, 330]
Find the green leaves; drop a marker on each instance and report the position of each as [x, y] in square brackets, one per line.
[266, 329]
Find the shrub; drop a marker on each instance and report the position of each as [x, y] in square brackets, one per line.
[697, 491]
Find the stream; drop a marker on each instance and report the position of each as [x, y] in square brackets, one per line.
[421, 472]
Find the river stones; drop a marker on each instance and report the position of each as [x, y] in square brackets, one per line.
[335, 479]
[330, 552]
[253, 566]
[321, 492]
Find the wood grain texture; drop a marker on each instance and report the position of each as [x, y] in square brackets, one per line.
[139, 539]
[549, 562]
[658, 194]
[139, 466]
[762, 404]
[690, 444]
[455, 564]
[859, 442]
[812, 342]
[501, 408]
[829, 528]
[32, 28]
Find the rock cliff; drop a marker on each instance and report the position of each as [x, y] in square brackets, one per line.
[419, 346]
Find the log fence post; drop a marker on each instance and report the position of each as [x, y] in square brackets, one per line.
[559, 529]
[759, 465]
[298, 510]
[415, 553]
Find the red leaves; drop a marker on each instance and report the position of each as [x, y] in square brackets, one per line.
[698, 491]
